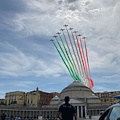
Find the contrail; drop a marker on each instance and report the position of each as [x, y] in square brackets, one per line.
[69, 58]
[65, 58]
[73, 49]
[74, 55]
[87, 58]
[64, 61]
[81, 58]
[69, 49]
[79, 66]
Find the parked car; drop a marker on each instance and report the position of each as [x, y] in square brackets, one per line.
[111, 113]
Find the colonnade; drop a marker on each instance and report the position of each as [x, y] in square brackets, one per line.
[31, 114]
[81, 111]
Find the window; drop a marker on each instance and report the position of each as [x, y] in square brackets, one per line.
[115, 114]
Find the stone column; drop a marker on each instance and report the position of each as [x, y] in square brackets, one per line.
[10, 113]
[85, 111]
[77, 111]
[49, 114]
[33, 114]
[81, 111]
[23, 113]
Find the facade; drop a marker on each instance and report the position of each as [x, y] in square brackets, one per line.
[83, 98]
[87, 104]
[2, 101]
[55, 94]
[34, 98]
[28, 112]
[38, 98]
[16, 97]
[107, 97]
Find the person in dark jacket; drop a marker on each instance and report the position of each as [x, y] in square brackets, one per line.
[67, 111]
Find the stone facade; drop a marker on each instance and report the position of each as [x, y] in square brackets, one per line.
[83, 98]
[76, 90]
[107, 97]
[17, 97]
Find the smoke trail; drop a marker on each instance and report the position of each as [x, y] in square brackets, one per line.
[64, 61]
[89, 77]
[87, 58]
[65, 57]
[78, 55]
[69, 59]
[69, 51]
[72, 48]
[81, 58]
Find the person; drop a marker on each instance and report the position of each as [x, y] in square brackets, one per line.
[3, 116]
[67, 111]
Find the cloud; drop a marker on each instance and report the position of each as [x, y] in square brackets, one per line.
[12, 6]
[26, 28]
[22, 83]
[20, 64]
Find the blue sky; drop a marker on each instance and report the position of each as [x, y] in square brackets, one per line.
[29, 60]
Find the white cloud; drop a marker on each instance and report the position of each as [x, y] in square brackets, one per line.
[18, 63]
[98, 20]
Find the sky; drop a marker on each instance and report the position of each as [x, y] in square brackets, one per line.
[27, 57]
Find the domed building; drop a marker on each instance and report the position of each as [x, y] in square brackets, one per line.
[76, 90]
[55, 100]
[81, 97]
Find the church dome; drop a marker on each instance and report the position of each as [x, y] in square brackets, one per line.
[76, 90]
[56, 98]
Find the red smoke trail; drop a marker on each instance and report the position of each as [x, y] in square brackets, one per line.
[87, 58]
[80, 53]
[89, 77]
[84, 58]
[90, 82]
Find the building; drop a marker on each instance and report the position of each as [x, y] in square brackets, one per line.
[16, 97]
[83, 98]
[2, 101]
[107, 97]
[38, 98]
[87, 104]
[35, 98]
[55, 94]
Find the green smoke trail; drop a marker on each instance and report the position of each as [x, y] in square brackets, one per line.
[69, 51]
[70, 60]
[64, 61]
[66, 58]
